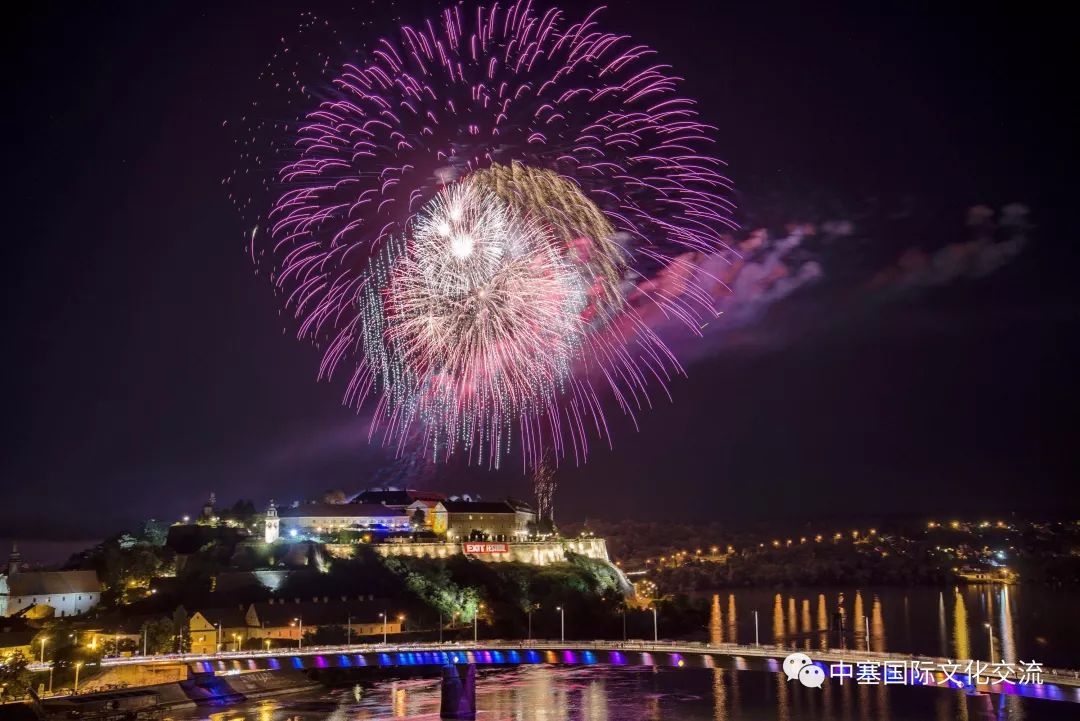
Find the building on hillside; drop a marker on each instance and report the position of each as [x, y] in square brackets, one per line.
[116, 635]
[272, 530]
[208, 515]
[281, 623]
[324, 518]
[972, 574]
[218, 629]
[16, 636]
[524, 515]
[433, 521]
[47, 593]
[397, 498]
[492, 520]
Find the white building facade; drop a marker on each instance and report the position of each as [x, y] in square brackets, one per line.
[324, 518]
[67, 593]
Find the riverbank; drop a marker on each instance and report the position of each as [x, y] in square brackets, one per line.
[201, 689]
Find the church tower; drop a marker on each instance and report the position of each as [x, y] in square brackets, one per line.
[208, 508]
[14, 560]
[272, 523]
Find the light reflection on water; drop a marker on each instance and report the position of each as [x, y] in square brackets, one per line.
[596, 693]
[1025, 623]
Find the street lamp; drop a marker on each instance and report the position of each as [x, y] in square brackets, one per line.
[562, 623]
[757, 641]
[78, 665]
[991, 630]
[475, 622]
[299, 620]
[236, 640]
[348, 632]
[383, 617]
[529, 613]
[43, 640]
[655, 626]
[267, 644]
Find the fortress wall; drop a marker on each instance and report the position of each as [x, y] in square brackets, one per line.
[539, 553]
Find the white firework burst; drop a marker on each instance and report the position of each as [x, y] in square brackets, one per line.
[476, 322]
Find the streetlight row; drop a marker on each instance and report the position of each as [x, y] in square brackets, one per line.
[299, 623]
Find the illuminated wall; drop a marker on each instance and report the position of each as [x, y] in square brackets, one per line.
[539, 553]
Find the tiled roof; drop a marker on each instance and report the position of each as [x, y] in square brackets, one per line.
[520, 505]
[14, 639]
[426, 495]
[339, 510]
[230, 617]
[477, 507]
[332, 613]
[396, 497]
[47, 583]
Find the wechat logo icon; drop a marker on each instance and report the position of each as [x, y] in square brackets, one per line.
[799, 666]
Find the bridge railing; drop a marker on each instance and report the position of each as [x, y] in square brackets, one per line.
[851, 655]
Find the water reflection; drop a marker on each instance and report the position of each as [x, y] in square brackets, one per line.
[877, 626]
[778, 620]
[961, 637]
[720, 699]
[783, 713]
[625, 694]
[716, 629]
[807, 628]
[823, 622]
[731, 616]
[399, 701]
[943, 646]
[594, 702]
[949, 623]
[1005, 627]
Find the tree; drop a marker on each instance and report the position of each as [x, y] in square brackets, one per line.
[335, 496]
[14, 677]
[326, 636]
[160, 635]
[242, 513]
[419, 518]
[181, 629]
[154, 532]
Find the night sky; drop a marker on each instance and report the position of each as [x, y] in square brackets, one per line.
[146, 364]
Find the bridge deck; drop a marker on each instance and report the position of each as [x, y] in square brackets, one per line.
[1057, 684]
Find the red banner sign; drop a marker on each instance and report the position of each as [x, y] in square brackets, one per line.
[476, 547]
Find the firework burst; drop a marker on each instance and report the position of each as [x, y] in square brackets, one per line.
[474, 323]
[475, 214]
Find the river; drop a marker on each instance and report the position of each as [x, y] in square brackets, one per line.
[593, 693]
[1026, 623]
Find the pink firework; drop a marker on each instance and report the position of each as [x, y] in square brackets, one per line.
[582, 136]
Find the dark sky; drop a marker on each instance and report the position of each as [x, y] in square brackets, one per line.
[146, 365]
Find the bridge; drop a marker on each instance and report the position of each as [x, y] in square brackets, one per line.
[1056, 684]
